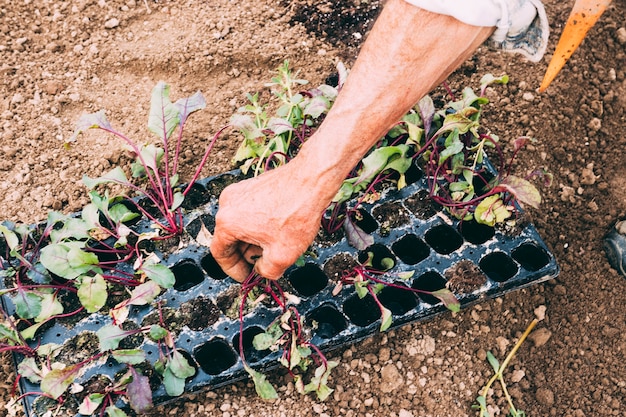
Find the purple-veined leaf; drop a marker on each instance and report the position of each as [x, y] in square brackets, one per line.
[90, 404]
[520, 142]
[159, 273]
[92, 292]
[138, 392]
[186, 106]
[164, 116]
[523, 190]
[58, 380]
[317, 106]
[427, 111]
[144, 294]
[448, 299]
[356, 236]
[50, 307]
[90, 121]
[130, 356]
[29, 369]
[278, 125]
[116, 176]
[110, 336]
[68, 260]
[263, 388]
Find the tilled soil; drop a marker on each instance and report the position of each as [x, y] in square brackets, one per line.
[62, 58]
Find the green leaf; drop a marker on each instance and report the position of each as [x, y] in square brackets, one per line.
[157, 332]
[387, 319]
[264, 341]
[139, 392]
[116, 176]
[27, 303]
[150, 157]
[90, 404]
[317, 106]
[492, 210]
[493, 362]
[263, 388]
[110, 336]
[174, 386]
[453, 146]
[164, 116]
[50, 307]
[489, 79]
[57, 381]
[92, 292]
[160, 274]
[360, 287]
[29, 332]
[90, 121]
[119, 213]
[319, 383]
[178, 200]
[179, 366]
[9, 334]
[10, 237]
[113, 411]
[68, 260]
[130, 356]
[448, 299]
[73, 228]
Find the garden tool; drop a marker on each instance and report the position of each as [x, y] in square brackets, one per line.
[583, 16]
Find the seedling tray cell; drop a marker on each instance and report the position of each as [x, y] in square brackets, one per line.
[474, 261]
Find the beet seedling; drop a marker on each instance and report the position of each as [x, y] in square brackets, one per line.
[156, 166]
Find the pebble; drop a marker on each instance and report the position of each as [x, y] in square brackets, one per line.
[528, 96]
[540, 336]
[405, 413]
[621, 35]
[392, 379]
[112, 23]
[544, 396]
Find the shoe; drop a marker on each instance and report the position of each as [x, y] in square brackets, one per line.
[615, 247]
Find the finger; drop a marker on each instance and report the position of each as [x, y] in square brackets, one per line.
[273, 267]
[227, 253]
[252, 253]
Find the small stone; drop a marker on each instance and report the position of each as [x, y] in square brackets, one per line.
[517, 375]
[594, 124]
[405, 413]
[53, 87]
[540, 312]
[53, 47]
[540, 336]
[528, 96]
[621, 35]
[112, 23]
[392, 379]
[544, 396]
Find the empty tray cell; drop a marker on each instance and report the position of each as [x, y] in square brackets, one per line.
[421, 205]
[211, 267]
[196, 196]
[428, 282]
[476, 233]
[364, 220]
[251, 354]
[410, 249]
[498, 266]
[308, 280]
[531, 257]
[361, 311]
[443, 239]
[326, 321]
[398, 300]
[187, 274]
[215, 356]
[413, 174]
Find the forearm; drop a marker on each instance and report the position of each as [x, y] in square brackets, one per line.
[408, 52]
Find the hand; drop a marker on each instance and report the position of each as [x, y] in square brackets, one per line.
[267, 222]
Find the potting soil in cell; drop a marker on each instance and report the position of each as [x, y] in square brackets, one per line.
[474, 261]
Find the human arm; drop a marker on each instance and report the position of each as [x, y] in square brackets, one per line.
[275, 217]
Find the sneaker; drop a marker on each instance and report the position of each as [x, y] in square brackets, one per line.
[615, 247]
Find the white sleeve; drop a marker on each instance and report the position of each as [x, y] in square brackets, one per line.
[521, 25]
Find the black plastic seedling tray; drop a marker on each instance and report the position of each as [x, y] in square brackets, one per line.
[406, 227]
